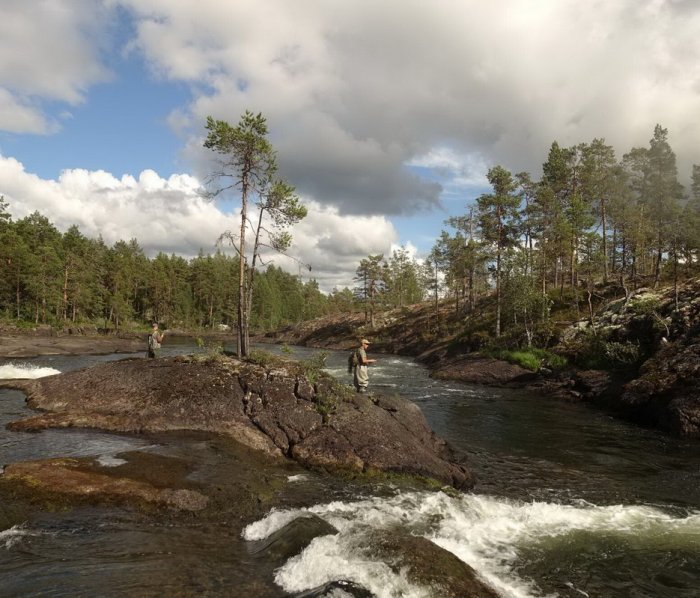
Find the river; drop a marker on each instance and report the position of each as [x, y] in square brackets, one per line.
[569, 502]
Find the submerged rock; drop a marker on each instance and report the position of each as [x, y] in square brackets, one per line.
[428, 565]
[79, 478]
[280, 409]
[339, 588]
[291, 539]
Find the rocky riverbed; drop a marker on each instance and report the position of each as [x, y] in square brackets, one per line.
[269, 419]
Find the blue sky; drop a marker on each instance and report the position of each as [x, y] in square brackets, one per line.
[386, 116]
[122, 128]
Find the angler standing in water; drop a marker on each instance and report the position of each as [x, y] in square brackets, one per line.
[360, 361]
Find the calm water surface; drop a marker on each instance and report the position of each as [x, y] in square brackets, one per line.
[569, 502]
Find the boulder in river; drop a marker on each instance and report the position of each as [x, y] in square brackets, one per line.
[477, 369]
[429, 565]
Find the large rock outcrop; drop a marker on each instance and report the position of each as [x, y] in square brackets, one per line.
[667, 394]
[281, 409]
[655, 336]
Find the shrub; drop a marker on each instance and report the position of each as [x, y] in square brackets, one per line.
[622, 354]
[326, 405]
[313, 366]
[596, 352]
[263, 358]
[644, 305]
[209, 349]
[530, 359]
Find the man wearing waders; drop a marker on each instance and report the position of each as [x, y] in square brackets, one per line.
[360, 375]
[154, 340]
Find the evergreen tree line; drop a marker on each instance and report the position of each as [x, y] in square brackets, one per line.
[591, 222]
[67, 279]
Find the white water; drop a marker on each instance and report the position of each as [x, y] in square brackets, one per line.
[10, 537]
[487, 533]
[109, 460]
[24, 370]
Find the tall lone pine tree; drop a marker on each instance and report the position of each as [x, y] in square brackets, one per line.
[248, 162]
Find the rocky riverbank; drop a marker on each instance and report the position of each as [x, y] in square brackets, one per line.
[265, 420]
[282, 409]
[638, 357]
[16, 343]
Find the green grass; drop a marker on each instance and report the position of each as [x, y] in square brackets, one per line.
[531, 359]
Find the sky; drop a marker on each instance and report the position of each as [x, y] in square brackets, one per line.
[385, 116]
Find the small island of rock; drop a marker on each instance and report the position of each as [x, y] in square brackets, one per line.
[280, 407]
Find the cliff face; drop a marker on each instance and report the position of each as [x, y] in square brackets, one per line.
[278, 409]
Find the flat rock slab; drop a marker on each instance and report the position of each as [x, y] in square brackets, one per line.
[275, 409]
[79, 478]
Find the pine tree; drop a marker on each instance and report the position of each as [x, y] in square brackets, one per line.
[498, 221]
[248, 161]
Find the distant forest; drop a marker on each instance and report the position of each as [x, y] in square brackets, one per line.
[67, 279]
[63, 279]
[590, 224]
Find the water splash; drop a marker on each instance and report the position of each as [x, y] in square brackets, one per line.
[25, 370]
[488, 533]
[300, 477]
[109, 460]
[10, 537]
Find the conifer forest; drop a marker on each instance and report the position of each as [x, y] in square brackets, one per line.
[592, 221]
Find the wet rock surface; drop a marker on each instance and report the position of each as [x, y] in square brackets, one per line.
[206, 476]
[667, 394]
[84, 478]
[429, 565]
[483, 370]
[274, 409]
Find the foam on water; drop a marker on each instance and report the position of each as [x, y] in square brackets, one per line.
[10, 537]
[25, 370]
[110, 461]
[487, 533]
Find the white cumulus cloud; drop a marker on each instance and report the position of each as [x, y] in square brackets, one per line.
[354, 91]
[48, 51]
[170, 215]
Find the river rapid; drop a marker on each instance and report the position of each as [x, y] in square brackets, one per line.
[568, 502]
